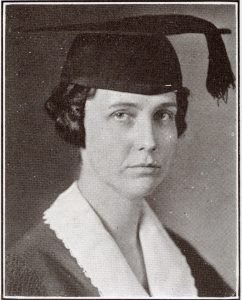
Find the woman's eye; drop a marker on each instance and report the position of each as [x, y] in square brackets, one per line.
[121, 116]
[165, 116]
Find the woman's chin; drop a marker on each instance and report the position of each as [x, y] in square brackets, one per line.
[142, 187]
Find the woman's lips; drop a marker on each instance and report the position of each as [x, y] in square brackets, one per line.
[146, 169]
[143, 165]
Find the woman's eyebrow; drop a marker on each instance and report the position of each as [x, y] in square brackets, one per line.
[168, 104]
[126, 104]
[136, 105]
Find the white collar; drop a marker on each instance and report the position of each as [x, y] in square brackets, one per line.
[82, 232]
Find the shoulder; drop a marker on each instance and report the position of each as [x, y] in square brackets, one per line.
[28, 264]
[20, 278]
[23, 265]
[208, 282]
[40, 265]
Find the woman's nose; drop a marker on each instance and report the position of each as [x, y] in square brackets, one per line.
[145, 137]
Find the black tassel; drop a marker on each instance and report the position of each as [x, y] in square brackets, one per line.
[220, 76]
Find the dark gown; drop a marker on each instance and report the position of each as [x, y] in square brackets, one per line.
[40, 265]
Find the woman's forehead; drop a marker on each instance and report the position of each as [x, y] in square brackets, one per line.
[109, 99]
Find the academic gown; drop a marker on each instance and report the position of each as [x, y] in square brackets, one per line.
[70, 253]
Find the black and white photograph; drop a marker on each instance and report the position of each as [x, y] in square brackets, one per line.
[120, 150]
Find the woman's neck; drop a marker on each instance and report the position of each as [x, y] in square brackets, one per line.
[120, 215]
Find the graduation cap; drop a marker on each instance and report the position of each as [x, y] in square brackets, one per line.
[134, 55]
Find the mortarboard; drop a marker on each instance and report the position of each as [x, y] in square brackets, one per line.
[134, 55]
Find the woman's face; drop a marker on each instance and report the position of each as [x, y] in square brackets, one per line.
[130, 140]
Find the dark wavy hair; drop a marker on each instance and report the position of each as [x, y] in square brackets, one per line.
[66, 106]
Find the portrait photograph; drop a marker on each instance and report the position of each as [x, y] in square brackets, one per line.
[120, 150]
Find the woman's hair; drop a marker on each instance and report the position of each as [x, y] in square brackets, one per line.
[66, 106]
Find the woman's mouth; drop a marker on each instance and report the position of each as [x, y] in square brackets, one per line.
[146, 169]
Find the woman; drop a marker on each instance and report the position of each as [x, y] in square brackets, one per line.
[121, 100]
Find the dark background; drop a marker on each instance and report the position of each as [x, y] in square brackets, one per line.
[197, 200]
